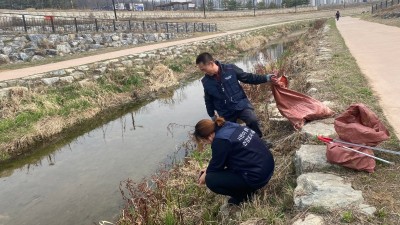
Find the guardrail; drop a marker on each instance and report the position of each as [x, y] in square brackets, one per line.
[383, 5]
[11, 23]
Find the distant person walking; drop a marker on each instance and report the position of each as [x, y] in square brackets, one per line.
[337, 15]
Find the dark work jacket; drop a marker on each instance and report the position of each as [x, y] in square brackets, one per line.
[227, 96]
[240, 150]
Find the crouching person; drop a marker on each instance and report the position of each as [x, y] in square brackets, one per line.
[240, 164]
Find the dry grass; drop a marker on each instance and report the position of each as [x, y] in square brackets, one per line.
[390, 16]
[251, 42]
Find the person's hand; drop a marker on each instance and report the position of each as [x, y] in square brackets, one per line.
[274, 80]
[202, 177]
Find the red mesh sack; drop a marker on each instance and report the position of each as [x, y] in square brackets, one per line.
[297, 107]
[358, 124]
[337, 155]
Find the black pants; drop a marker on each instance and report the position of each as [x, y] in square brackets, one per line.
[249, 117]
[230, 184]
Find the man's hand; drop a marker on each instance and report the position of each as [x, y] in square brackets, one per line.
[202, 177]
[274, 80]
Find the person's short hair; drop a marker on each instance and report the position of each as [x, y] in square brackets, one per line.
[204, 58]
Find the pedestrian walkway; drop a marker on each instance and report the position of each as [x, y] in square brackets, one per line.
[376, 48]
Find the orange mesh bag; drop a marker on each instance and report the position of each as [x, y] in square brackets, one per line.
[297, 107]
[359, 125]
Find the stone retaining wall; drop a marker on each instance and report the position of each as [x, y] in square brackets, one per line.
[96, 70]
[34, 47]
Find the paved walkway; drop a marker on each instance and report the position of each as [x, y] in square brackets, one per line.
[376, 48]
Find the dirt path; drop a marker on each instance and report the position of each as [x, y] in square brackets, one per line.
[376, 48]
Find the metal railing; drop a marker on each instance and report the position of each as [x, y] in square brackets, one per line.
[383, 5]
[11, 23]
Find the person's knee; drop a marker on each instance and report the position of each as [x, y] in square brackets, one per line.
[210, 182]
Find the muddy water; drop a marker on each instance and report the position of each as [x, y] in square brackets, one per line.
[76, 181]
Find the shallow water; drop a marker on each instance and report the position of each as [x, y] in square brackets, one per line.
[76, 181]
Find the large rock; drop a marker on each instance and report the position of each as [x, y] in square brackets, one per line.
[51, 52]
[24, 56]
[310, 219]
[310, 158]
[78, 75]
[64, 48]
[7, 50]
[36, 37]
[50, 81]
[316, 128]
[4, 59]
[36, 58]
[325, 190]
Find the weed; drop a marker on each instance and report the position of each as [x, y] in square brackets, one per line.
[381, 213]
[176, 67]
[348, 217]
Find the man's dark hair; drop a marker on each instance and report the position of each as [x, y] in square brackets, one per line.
[204, 58]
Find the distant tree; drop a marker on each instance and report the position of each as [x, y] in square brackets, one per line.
[272, 5]
[249, 4]
[232, 5]
[292, 3]
[261, 5]
[210, 5]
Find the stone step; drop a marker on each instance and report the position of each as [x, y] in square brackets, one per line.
[311, 158]
[329, 192]
[310, 219]
[319, 127]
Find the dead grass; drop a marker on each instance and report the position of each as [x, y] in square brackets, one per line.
[390, 16]
[251, 42]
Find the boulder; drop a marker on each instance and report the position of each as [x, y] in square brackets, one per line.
[36, 37]
[7, 50]
[319, 127]
[310, 158]
[24, 56]
[4, 59]
[325, 190]
[50, 81]
[36, 58]
[310, 219]
[64, 48]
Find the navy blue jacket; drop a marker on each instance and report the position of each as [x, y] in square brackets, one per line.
[240, 150]
[227, 96]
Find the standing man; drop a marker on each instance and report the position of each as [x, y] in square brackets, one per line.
[224, 94]
[337, 15]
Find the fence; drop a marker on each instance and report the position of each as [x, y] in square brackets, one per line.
[384, 5]
[54, 24]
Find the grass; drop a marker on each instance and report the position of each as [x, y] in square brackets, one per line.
[382, 16]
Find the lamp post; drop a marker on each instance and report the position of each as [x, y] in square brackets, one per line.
[204, 9]
[115, 12]
[254, 8]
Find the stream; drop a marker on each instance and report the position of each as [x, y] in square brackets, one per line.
[76, 181]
